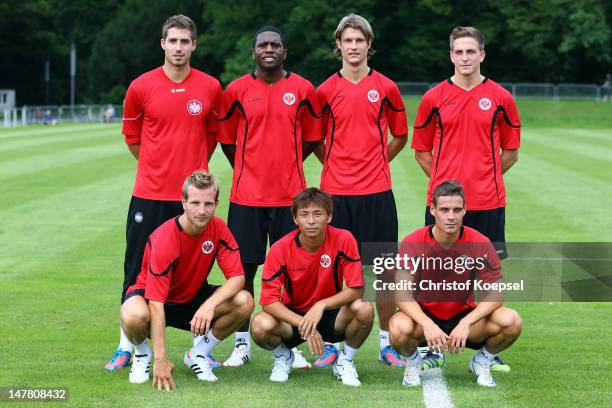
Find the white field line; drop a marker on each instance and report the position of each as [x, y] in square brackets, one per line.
[435, 391]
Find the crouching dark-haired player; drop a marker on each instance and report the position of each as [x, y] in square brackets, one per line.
[302, 294]
[450, 320]
[172, 287]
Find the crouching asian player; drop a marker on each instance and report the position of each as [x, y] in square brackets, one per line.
[303, 296]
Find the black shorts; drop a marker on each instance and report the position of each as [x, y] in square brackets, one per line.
[447, 327]
[325, 329]
[144, 216]
[490, 223]
[370, 218]
[251, 227]
[179, 315]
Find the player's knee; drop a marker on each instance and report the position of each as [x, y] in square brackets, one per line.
[400, 326]
[364, 311]
[244, 303]
[516, 324]
[134, 318]
[261, 325]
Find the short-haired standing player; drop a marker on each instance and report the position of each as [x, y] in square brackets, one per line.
[268, 125]
[169, 124]
[467, 128]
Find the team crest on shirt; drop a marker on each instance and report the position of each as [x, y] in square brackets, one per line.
[207, 247]
[325, 261]
[289, 98]
[194, 107]
[373, 95]
[485, 104]
[138, 217]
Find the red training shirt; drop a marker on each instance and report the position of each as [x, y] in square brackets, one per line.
[268, 123]
[175, 125]
[175, 264]
[466, 130]
[356, 118]
[471, 243]
[298, 278]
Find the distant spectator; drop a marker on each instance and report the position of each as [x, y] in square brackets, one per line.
[49, 119]
[109, 114]
[607, 88]
[38, 116]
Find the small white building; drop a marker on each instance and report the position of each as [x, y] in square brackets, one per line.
[7, 99]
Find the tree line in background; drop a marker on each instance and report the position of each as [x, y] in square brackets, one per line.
[117, 40]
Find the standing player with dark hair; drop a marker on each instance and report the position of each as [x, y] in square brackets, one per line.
[303, 295]
[468, 128]
[172, 288]
[169, 123]
[450, 320]
[359, 106]
[267, 127]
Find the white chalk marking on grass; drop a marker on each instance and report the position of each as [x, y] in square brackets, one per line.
[435, 391]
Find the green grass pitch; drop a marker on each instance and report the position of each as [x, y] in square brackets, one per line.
[64, 194]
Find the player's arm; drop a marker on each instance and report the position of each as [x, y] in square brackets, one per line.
[507, 158]
[162, 367]
[435, 337]
[134, 149]
[230, 152]
[309, 323]
[202, 319]
[425, 159]
[282, 313]
[396, 145]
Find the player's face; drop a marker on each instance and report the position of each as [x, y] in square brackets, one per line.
[178, 46]
[353, 46]
[200, 206]
[449, 213]
[466, 56]
[269, 52]
[312, 220]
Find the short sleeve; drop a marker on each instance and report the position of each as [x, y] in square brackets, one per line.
[228, 256]
[273, 277]
[229, 117]
[396, 112]
[510, 126]
[133, 115]
[424, 126]
[350, 263]
[160, 259]
[310, 117]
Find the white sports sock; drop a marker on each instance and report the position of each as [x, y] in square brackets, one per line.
[415, 358]
[384, 338]
[142, 348]
[243, 337]
[483, 356]
[281, 351]
[206, 344]
[347, 353]
[124, 343]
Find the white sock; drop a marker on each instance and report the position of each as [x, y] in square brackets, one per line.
[206, 344]
[384, 338]
[124, 343]
[423, 350]
[142, 348]
[483, 356]
[347, 353]
[415, 358]
[281, 351]
[243, 337]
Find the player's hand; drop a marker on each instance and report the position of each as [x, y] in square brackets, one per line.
[315, 344]
[309, 323]
[436, 339]
[202, 320]
[458, 338]
[162, 375]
